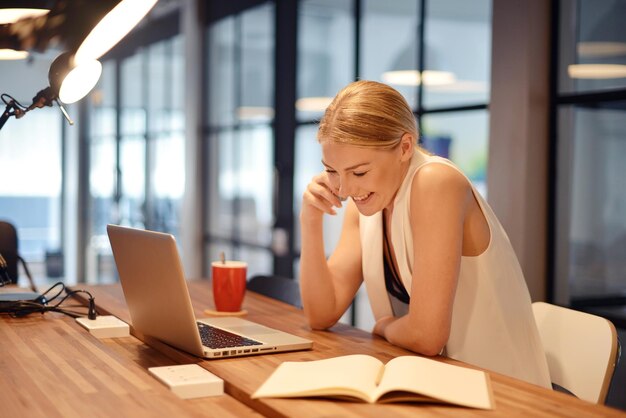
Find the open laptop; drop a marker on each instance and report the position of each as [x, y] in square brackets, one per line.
[156, 293]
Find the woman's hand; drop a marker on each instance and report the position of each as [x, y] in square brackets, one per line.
[319, 197]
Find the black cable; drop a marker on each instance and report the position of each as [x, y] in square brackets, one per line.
[12, 100]
[43, 304]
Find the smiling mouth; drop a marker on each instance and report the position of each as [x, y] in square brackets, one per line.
[361, 198]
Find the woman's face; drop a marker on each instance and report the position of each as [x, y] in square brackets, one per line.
[371, 177]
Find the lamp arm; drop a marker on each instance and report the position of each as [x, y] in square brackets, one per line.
[5, 115]
[12, 109]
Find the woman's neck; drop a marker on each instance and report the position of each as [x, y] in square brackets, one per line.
[404, 168]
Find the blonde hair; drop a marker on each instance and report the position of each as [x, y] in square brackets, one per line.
[367, 114]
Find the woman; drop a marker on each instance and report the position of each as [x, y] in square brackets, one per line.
[440, 272]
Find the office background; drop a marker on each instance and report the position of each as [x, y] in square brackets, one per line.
[203, 125]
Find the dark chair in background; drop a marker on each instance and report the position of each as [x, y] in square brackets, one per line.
[10, 253]
[277, 287]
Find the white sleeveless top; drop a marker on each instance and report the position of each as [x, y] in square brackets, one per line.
[493, 326]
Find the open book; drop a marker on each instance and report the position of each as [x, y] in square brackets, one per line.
[365, 378]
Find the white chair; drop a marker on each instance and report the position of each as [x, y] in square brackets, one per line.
[582, 350]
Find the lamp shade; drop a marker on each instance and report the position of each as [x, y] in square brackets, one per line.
[112, 28]
[70, 81]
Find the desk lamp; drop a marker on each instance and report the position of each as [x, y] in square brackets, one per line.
[73, 73]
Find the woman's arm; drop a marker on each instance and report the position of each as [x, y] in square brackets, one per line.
[440, 197]
[327, 287]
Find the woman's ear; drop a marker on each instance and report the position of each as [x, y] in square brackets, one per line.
[407, 145]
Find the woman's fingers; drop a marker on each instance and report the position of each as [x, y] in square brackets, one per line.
[327, 191]
[319, 195]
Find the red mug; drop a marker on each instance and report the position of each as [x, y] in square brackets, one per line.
[229, 284]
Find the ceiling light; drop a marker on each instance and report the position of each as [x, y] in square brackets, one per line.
[251, 113]
[313, 104]
[11, 15]
[12, 54]
[596, 71]
[601, 49]
[413, 78]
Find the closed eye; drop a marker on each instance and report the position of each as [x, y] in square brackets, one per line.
[360, 174]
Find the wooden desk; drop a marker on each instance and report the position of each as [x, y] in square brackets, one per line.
[244, 375]
[52, 367]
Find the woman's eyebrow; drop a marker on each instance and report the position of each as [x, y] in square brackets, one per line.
[347, 168]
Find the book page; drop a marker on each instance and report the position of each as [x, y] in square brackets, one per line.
[440, 381]
[353, 376]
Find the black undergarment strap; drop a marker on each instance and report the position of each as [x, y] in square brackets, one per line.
[392, 278]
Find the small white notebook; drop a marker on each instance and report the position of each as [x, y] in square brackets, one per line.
[189, 380]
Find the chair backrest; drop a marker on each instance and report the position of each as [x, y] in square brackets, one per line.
[277, 287]
[581, 349]
[8, 248]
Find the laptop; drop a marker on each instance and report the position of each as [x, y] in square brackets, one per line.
[156, 293]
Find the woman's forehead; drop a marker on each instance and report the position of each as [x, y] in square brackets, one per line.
[344, 156]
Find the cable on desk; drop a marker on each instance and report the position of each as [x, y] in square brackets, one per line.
[47, 302]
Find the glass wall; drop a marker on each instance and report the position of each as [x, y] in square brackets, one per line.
[590, 253]
[30, 190]
[239, 144]
[136, 142]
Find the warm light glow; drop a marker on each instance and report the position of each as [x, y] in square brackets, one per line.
[412, 78]
[460, 86]
[313, 104]
[13, 15]
[79, 81]
[112, 28]
[255, 113]
[597, 71]
[12, 54]
[601, 49]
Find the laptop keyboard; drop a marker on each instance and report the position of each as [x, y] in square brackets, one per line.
[218, 338]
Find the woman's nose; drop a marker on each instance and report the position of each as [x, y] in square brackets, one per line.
[344, 188]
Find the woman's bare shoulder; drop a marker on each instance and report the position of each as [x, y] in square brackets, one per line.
[436, 177]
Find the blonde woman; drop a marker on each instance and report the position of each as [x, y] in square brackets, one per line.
[440, 273]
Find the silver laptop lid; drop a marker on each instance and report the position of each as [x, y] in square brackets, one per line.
[154, 286]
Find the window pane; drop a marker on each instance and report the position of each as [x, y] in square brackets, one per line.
[389, 42]
[325, 54]
[221, 72]
[596, 237]
[241, 184]
[168, 181]
[308, 164]
[253, 184]
[463, 138]
[593, 55]
[241, 67]
[457, 53]
[133, 173]
[259, 261]
[30, 190]
[257, 65]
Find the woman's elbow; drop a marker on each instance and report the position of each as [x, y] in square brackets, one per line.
[430, 349]
[431, 345]
[318, 322]
[320, 325]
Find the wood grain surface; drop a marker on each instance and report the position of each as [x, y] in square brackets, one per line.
[52, 367]
[243, 375]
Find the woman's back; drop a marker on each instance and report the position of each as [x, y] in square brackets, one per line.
[492, 322]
